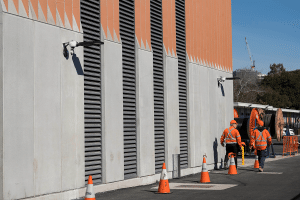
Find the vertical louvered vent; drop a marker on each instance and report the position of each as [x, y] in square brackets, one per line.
[158, 80]
[180, 48]
[90, 20]
[129, 99]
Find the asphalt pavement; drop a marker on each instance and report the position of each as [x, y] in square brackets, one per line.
[280, 180]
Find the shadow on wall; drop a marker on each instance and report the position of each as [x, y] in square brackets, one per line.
[222, 89]
[215, 147]
[77, 64]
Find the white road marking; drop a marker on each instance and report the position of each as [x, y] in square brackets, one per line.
[200, 186]
[270, 172]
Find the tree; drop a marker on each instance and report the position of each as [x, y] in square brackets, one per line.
[247, 87]
[276, 69]
[282, 88]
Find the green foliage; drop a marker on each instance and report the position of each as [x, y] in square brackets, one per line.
[276, 69]
[282, 88]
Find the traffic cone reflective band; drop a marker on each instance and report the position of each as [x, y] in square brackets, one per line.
[90, 195]
[204, 173]
[232, 167]
[256, 163]
[164, 183]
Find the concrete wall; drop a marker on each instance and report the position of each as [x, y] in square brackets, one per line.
[209, 113]
[196, 97]
[112, 112]
[145, 112]
[43, 111]
[1, 103]
[171, 109]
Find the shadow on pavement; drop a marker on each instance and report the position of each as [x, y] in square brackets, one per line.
[151, 191]
[296, 197]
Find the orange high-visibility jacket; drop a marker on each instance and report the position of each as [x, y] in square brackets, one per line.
[235, 113]
[260, 139]
[231, 136]
[254, 115]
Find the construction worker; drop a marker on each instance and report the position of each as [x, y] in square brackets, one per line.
[260, 138]
[235, 113]
[256, 114]
[231, 137]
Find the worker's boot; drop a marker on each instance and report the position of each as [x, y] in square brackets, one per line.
[225, 165]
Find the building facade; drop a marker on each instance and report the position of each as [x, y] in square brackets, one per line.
[115, 111]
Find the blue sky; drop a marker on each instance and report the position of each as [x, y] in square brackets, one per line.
[272, 28]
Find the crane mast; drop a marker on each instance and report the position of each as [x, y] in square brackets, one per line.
[249, 52]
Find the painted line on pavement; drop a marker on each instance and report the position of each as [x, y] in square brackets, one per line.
[200, 186]
[270, 173]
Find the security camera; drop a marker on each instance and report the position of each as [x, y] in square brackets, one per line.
[222, 79]
[74, 44]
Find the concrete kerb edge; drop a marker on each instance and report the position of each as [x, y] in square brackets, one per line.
[146, 180]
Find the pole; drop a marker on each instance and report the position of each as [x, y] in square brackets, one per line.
[243, 158]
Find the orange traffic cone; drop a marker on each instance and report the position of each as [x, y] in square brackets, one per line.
[204, 173]
[90, 195]
[164, 183]
[232, 167]
[256, 163]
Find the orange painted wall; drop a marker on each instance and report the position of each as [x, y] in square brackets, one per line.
[69, 11]
[142, 23]
[76, 12]
[110, 19]
[44, 5]
[208, 32]
[68, 8]
[52, 8]
[169, 26]
[26, 6]
[16, 3]
[208, 25]
[230, 37]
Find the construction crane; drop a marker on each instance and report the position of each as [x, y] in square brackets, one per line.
[252, 61]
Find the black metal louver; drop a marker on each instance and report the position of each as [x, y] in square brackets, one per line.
[181, 54]
[127, 32]
[158, 82]
[90, 20]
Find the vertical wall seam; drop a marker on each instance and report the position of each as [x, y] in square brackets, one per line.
[34, 132]
[61, 125]
[3, 109]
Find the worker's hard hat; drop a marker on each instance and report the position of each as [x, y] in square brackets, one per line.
[233, 122]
